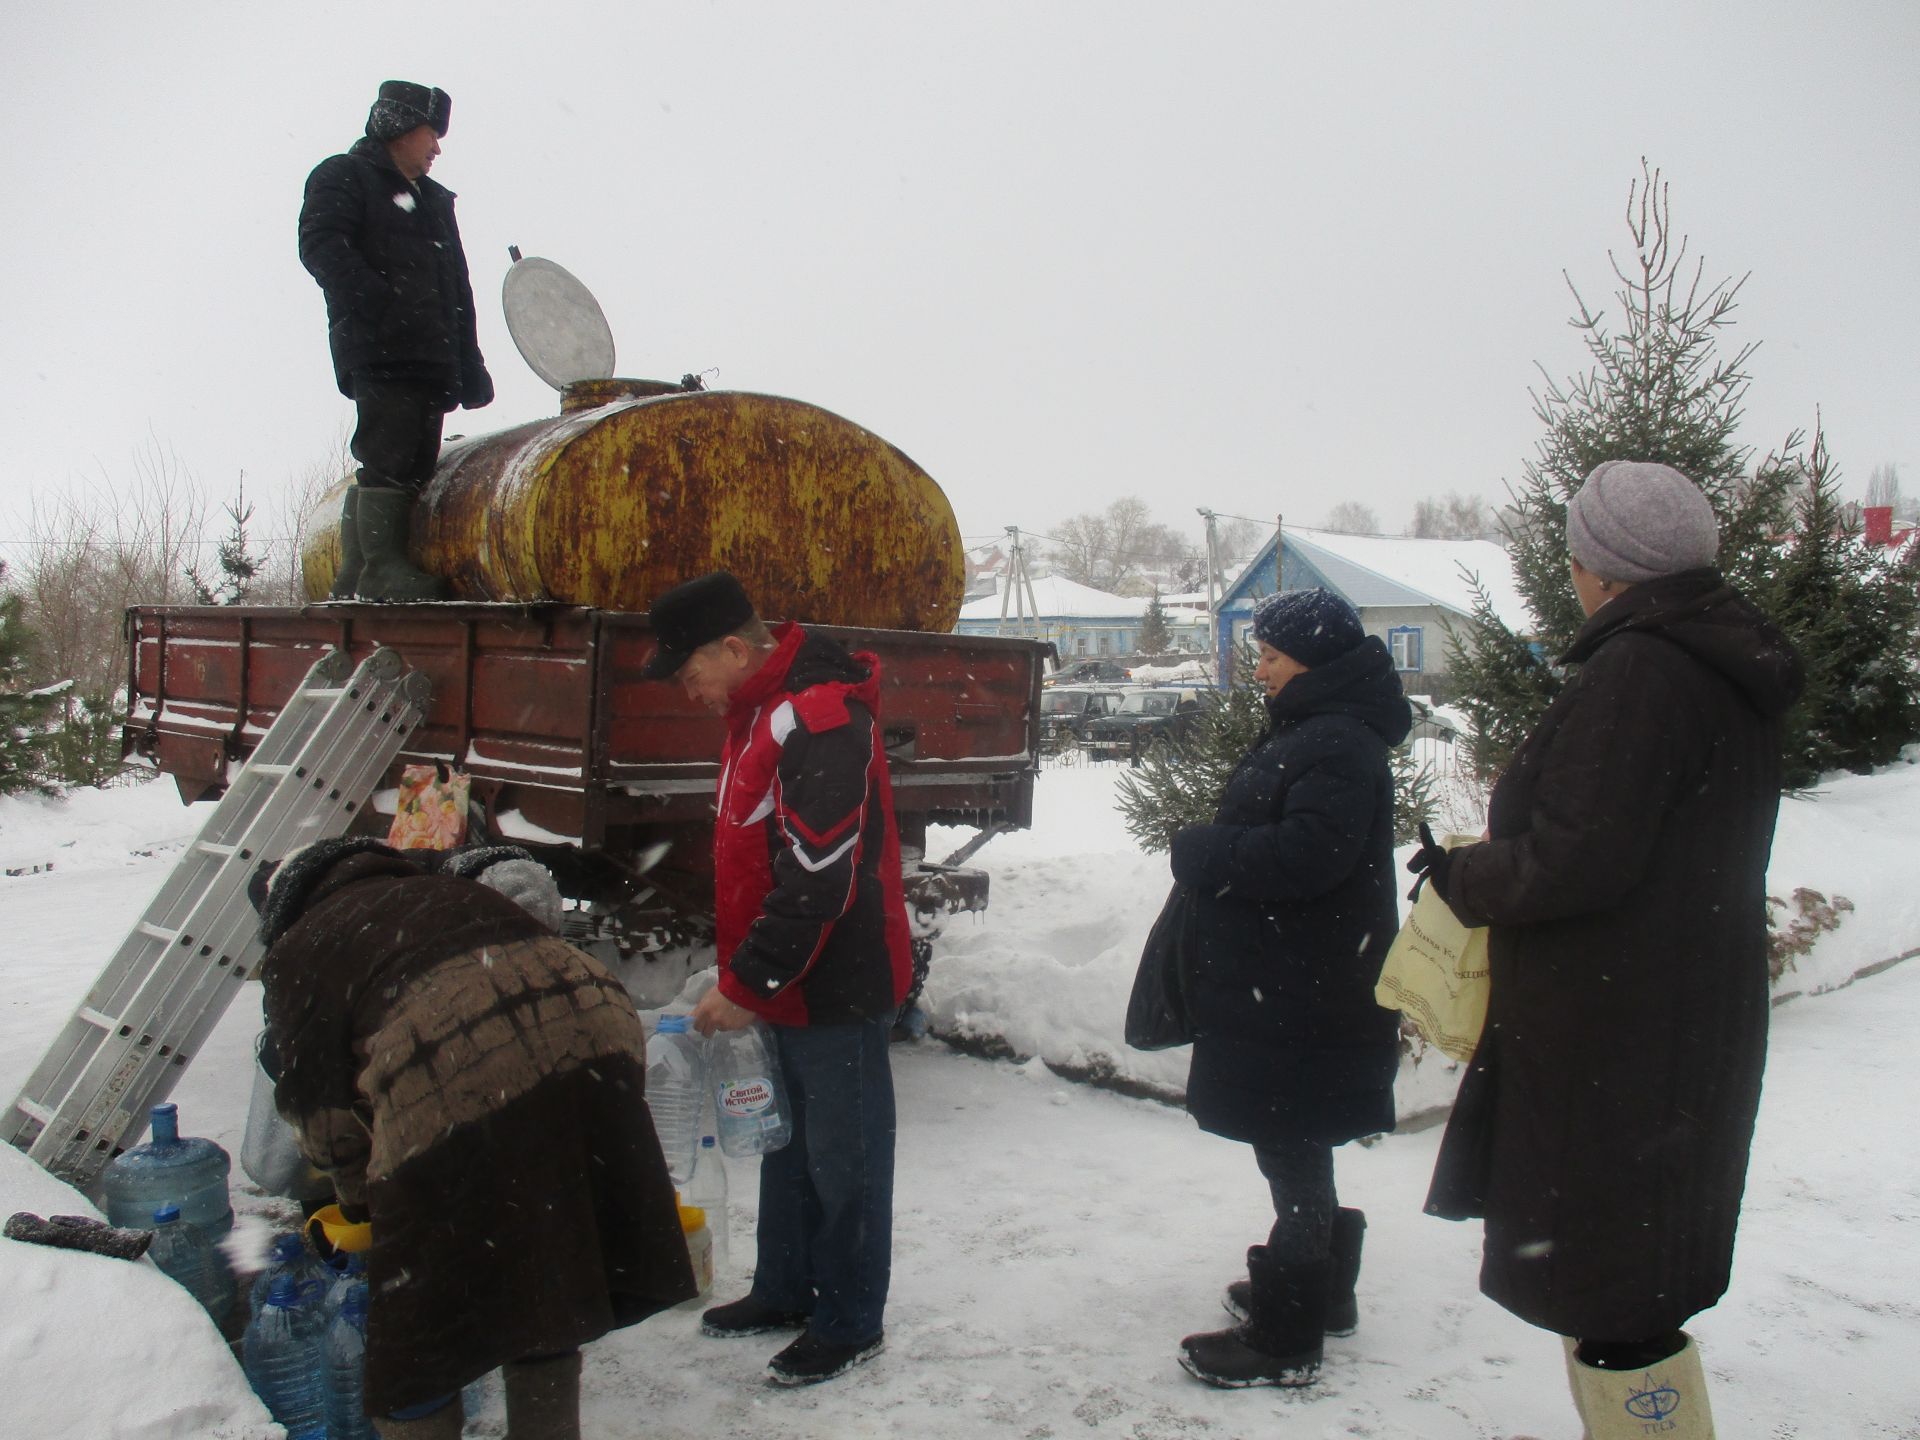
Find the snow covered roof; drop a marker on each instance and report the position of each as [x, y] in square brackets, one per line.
[1378, 570]
[1058, 596]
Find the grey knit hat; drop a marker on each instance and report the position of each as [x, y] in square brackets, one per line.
[1636, 520]
[1310, 626]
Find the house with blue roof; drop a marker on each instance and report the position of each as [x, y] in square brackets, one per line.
[1408, 592]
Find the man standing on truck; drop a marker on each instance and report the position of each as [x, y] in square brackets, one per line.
[380, 239]
[813, 938]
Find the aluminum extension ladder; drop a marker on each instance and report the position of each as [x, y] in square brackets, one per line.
[173, 976]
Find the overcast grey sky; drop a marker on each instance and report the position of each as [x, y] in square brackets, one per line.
[1258, 257]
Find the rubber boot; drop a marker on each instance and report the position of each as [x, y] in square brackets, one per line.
[543, 1398]
[1343, 1274]
[382, 520]
[1573, 1384]
[1282, 1339]
[1667, 1398]
[443, 1424]
[350, 562]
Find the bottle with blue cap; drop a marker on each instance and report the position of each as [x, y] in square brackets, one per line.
[676, 1089]
[181, 1251]
[171, 1168]
[290, 1259]
[346, 1355]
[285, 1362]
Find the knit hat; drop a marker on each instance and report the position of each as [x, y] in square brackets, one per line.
[405, 106]
[1310, 626]
[514, 873]
[1637, 520]
[691, 615]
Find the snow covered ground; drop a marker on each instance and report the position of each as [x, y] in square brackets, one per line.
[1053, 1240]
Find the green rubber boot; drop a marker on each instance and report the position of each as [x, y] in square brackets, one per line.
[350, 563]
[382, 520]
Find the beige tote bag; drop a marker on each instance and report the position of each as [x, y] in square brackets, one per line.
[1436, 973]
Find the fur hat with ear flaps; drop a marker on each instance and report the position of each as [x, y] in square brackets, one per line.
[290, 884]
[514, 873]
[403, 106]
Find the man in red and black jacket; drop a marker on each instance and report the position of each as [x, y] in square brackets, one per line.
[813, 939]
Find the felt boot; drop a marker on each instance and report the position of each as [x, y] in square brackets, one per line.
[443, 1424]
[1573, 1384]
[382, 520]
[1667, 1398]
[1343, 1274]
[350, 561]
[1280, 1342]
[543, 1398]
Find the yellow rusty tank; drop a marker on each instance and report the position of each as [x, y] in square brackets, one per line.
[630, 490]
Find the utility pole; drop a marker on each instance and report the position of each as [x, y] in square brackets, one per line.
[1213, 612]
[1279, 553]
[1020, 587]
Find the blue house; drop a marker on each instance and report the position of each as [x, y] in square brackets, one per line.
[1407, 591]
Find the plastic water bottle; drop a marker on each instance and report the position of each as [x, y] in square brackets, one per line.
[693, 1225]
[347, 1368]
[284, 1363]
[291, 1259]
[749, 1102]
[348, 1271]
[707, 1189]
[180, 1250]
[170, 1169]
[676, 1084]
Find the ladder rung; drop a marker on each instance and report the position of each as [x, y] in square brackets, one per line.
[33, 1109]
[265, 770]
[155, 932]
[213, 847]
[95, 1017]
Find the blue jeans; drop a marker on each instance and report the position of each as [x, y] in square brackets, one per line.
[826, 1198]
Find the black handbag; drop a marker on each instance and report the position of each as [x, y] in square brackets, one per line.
[1157, 1017]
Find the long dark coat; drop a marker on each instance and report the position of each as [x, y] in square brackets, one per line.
[479, 1087]
[1294, 892]
[388, 256]
[1603, 1124]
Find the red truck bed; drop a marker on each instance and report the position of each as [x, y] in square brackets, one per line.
[543, 706]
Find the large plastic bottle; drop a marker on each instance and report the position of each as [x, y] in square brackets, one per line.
[181, 1251]
[283, 1357]
[707, 1189]
[347, 1368]
[348, 1271]
[170, 1169]
[693, 1225]
[750, 1105]
[676, 1085]
[290, 1258]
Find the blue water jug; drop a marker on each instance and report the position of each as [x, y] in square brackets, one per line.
[180, 1250]
[290, 1259]
[170, 1169]
[284, 1361]
[347, 1368]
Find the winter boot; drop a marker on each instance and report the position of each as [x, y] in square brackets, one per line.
[1343, 1311]
[1668, 1397]
[386, 573]
[1281, 1341]
[1573, 1384]
[349, 576]
[748, 1316]
[443, 1424]
[543, 1398]
[809, 1360]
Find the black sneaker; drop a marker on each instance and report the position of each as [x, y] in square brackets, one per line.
[748, 1316]
[809, 1360]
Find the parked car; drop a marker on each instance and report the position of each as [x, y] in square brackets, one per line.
[1145, 718]
[1067, 710]
[1086, 672]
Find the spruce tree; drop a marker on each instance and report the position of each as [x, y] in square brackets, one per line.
[23, 710]
[237, 565]
[1659, 389]
[1154, 639]
[1855, 615]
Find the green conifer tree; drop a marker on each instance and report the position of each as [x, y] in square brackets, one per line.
[1659, 389]
[1154, 639]
[23, 711]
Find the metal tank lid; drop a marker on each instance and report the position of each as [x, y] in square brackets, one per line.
[556, 323]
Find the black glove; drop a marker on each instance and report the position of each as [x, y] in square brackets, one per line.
[476, 388]
[1430, 862]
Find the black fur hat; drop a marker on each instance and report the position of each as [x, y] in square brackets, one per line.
[288, 885]
[405, 106]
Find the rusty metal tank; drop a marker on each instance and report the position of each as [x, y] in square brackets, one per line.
[638, 485]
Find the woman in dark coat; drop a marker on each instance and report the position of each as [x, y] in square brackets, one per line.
[1603, 1125]
[476, 1088]
[1293, 893]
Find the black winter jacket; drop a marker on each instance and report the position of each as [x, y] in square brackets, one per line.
[1603, 1124]
[388, 256]
[1294, 888]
